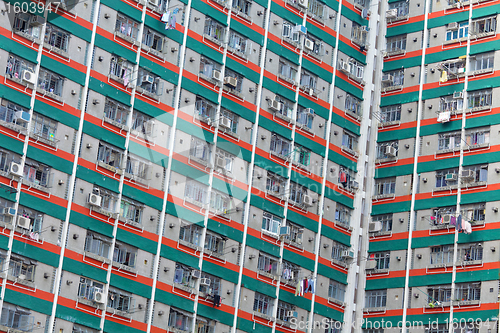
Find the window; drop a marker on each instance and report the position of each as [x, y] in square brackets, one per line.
[283, 308]
[448, 103]
[82, 329]
[121, 68]
[214, 30]
[109, 155]
[10, 113]
[346, 177]
[23, 23]
[449, 141]
[238, 77]
[268, 264]
[228, 120]
[56, 37]
[441, 328]
[196, 192]
[315, 46]
[382, 259]
[180, 320]
[116, 111]
[441, 254]
[149, 83]
[349, 141]
[190, 233]
[286, 108]
[393, 79]
[343, 215]
[396, 44]
[183, 276]
[335, 326]
[205, 110]
[87, 288]
[263, 304]
[50, 82]
[359, 34]
[317, 9]
[224, 160]
[301, 155]
[477, 137]
[280, 146]
[382, 149]
[401, 6]
[385, 186]
[336, 290]
[219, 202]
[376, 298]
[356, 68]
[214, 287]
[36, 218]
[461, 32]
[37, 174]
[239, 43]
[17, 318]
[353, 104]
[43, 127]
[484, 25]
[131, 210]
[142, 123]
[480, 98]
[16, 66]
[305, 116]
[290, 32]
[470, 252]
[207, 67]
[308, 80]
[482, 61]
[127, 27]
[390, 113]
[337, 250]
[119, 300]
[287, 71]
[97, 244]
[463, 292]
[22, 268]
[295, 234]
[270, 222]
[109, 201]
[386, 221]
[200, 149]
[289, 271]
[125, 254]
[137, 168]
[242, 6]
[215, 243]
[6, 218]
[297, 193]
[204, 325]
[474, 212]
[153, 40]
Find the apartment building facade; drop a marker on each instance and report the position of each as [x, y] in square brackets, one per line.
[225, 166]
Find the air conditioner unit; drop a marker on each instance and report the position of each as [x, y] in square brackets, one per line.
[196, 274]
[364, 28]
[148, 79]
[344, 66]
[94, 200]
[22, 116]
[301, 29]
[276, 105]
[309, 44]
[291, 314]
[375, 226]
[354, 184]
[347, 254]
[458, 94]
[284, 231]
[453, 26]
[307, 200]
[231, 81]
[303, 3]
[9, 211]
[371, 264]
[16, 169]
[99, 297]
[216, 75]
[220, 162]
[309, 111]
[391, 13]
[29, 76]
[37, 20]
[468, 174]
[205, 282]
[450, 177]
[390, 151]
[444, 117]
[387, 78]
[225, 122]
[23, 222]
[311, 91]
[447, 218]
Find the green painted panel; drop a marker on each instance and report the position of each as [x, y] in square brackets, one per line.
[474, 276]
[448, 18]
[440, 128]
[334, 274]
[312, 185]
[347, 87]
[165, 73]
[399, 99]
[491, 82]
[142, 196]
[103, 134]
[385, 283]
[302, 221]
[63, 70]
[298, 301]
[49, 159]
[105, 89]
[351, 51]
[405, 29]
[210, 11]
[485, 11]
[173, 300]
[259, 286]
[142, 243]
[33, 252]
[43, 206]
[402, 63]
[328, 312]
[112, 327]
[457, 316]
[486, 46]
[89, 223]
[203, 49]
[234, 149]
[401, 134]
[323, 112]
[394, 171]
[15, 96]
[285, 13]
[263, 3]
[56, 114]
[115, 48]
[444, 55]
[274, 86]
[27, 301]
[198, 89]
[131, 286]
[482, 121]
[266, 205]
[321, 34]
[225, 230]
[298, 260]
[336, 235]
[263, 246]
[442, 91]
[190, 172]
[265, 163]
[333, 4]
[230, 189]
[342, 160]
[19, 49]
[244, 70]
[480, 159]
[123, 7]
[154, 112]
[179, 256]
[422, 242]
[159, 27]
[353, 16]
[317, 70]
[435, 202]
[80, 268]
[238, 109]
[148, 154]
[429, 280]
[70, 26]
[280, 50]
[96, 178]
[215, 314]
[247, 32]
[391, 245]
[395, 207]
[272, 126]
[220, 271]
[251, 326]
[437, 165]
[78, 317]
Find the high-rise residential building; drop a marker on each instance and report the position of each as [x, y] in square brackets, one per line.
[217, 166]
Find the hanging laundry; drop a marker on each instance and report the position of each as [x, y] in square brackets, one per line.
[125, 78]
[216, 301]
[165, 17]
[467, 227]
[453, 220]
[313, 285]
[459, 223]
[444, 77]
[171, 22]
[297, 288]
[342, 177]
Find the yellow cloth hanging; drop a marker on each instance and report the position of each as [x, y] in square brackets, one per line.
[444, 77]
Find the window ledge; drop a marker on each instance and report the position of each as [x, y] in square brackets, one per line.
[88, 302]
[103, 211]
[311, 53]
[441, 226]
[387, 159]
[398, 18]
[283, 157]
[13, 126]
[384, 196]
[269, 275]
[36, 186]
[176, 330]
[389, 123]
[124, 267]
[262, 315]
[232, 91]
[283, 117]
[286, 79]
[283, 323]
[292, 42]
[27, 36]
[185, 288]
[440, 265]
[117, 79]
[18, 80]
[211, 80]
[469, 263]
[54, 49]
[472, 302]
[237, 52]
[229, 132]
[10, 330]
[378, 271]
[97, 257]
[453, 41]
[294, 244]
[479, 108]
[150, 50]
[130, 222]
[382, 233]
[49, 94]
[109, 167]
[339, 263]
[394, 53]
[190, 245]
[482, 71]
[336, 301]
[194, 202]
[118, 312]
[369, 310]
[40, 138]
[392, 88]
[18, 280]
[269, 233]
[147, 93]
[6, 225]
[241, 14]
[350, 151]
[125, 37]
[214, 40]
[343, 225]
